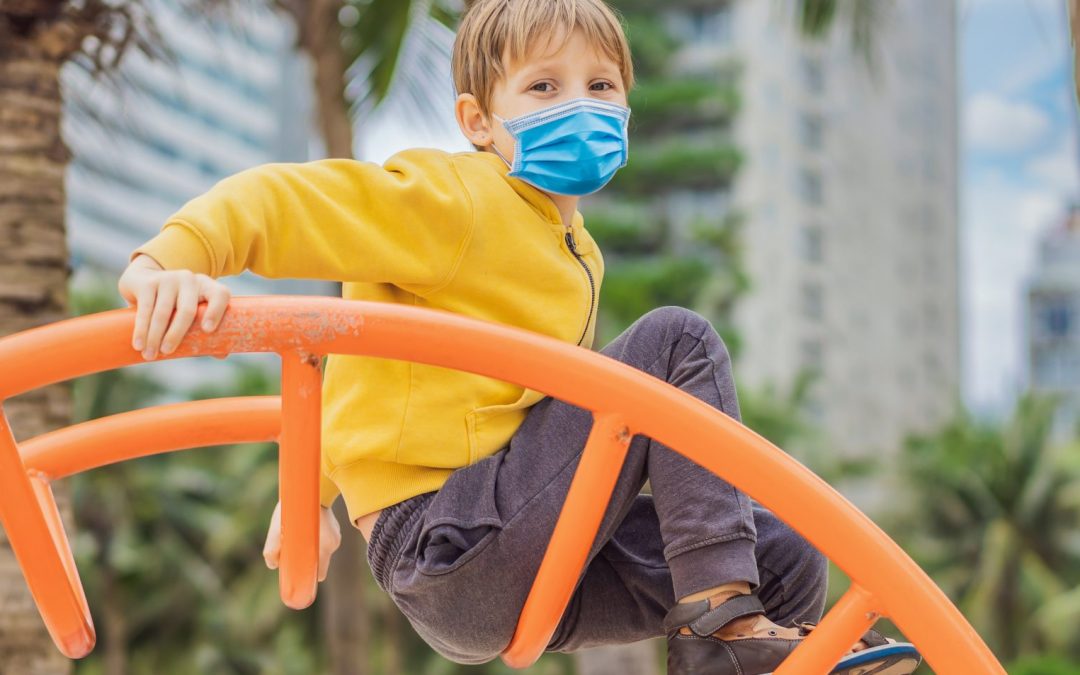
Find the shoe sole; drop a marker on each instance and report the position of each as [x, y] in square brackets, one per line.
[891, 659]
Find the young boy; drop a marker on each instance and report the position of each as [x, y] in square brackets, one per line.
[456, 480]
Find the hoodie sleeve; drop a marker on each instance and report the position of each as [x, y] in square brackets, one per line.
[405, 222]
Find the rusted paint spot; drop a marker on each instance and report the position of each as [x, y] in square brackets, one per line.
[282, 331]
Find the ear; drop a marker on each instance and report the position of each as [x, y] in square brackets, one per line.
[471, 121]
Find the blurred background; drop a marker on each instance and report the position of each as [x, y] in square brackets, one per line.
[874, 201]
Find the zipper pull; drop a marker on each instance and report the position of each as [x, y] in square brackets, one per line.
[570, 241]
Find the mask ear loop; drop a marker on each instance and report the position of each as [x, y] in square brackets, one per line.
[496, 149]
[509, 165]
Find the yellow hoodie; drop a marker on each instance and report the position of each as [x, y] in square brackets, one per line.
[430, 229]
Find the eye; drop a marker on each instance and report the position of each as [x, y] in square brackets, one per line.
[609, 85]
[540, 84]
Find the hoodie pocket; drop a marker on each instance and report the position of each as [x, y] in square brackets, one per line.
[491, 427]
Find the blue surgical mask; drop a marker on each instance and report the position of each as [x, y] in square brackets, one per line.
[572, 148]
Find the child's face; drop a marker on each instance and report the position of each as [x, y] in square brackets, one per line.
[543, 79]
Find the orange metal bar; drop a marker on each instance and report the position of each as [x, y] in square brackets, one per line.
[29, 516]
[59, 594]
[298, 477]
[149, 431]
[841, 628]
[320, 325]
[579, 520]
[47, 501]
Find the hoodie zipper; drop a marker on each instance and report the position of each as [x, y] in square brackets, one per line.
[592, 283]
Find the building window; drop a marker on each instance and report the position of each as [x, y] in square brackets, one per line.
[810, 187]
[811, 244]
[1056, 369]
[811, 130]
[932, 315]
[812, 300]
[815, 409]
[708, 26]
[813, 355]
[813, 75]
[1056, 319]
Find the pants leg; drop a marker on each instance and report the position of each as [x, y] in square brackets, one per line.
[627, 587]
[706, 524]
[471, 551]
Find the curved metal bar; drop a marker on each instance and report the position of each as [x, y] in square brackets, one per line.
[320, 325]
[849, 618]
[580, 518]
[36, 534]
[43, 552]
[150, 431]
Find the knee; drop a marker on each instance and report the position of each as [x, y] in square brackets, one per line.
[674, 318]
[674, 322]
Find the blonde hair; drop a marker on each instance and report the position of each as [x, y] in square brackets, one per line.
[491, 27]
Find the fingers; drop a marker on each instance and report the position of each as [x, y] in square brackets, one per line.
[329, 540]
[272, 547]
[187, 301]
[324, 564]
[144, 306]
[217, 299]
[159, 317]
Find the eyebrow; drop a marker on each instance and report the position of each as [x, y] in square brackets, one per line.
[537, 69]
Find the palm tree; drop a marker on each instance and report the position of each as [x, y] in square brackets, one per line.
[1074, 23]
[993, 520]
[37, 37]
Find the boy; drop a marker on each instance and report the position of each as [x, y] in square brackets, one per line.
[456, 480]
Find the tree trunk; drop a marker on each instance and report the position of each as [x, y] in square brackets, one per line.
[638, 658]
[393, 645]
[33, 290]
[346, 628]
[320, 38]
[115, 624]
[1074, 23]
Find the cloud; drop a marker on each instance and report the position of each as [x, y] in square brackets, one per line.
[995, 124]
[1059, 168]
[1001, 224]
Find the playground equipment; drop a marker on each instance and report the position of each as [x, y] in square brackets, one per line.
[624, 402]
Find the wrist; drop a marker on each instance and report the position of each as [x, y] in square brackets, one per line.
[145, 261]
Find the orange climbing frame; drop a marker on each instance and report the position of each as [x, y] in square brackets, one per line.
[624, 402]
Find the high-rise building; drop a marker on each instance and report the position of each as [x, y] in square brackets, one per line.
[232, 94]
[849, 190]
[1053, 319]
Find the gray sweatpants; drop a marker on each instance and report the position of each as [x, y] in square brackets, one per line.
[459, 562]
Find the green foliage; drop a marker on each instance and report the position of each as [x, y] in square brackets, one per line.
[993, 519]
[651, 44]
[375, 33]
[663, 105]
[863, 18]
[627, 228]
[636, 287]
[1044, 665]
[710, 164]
